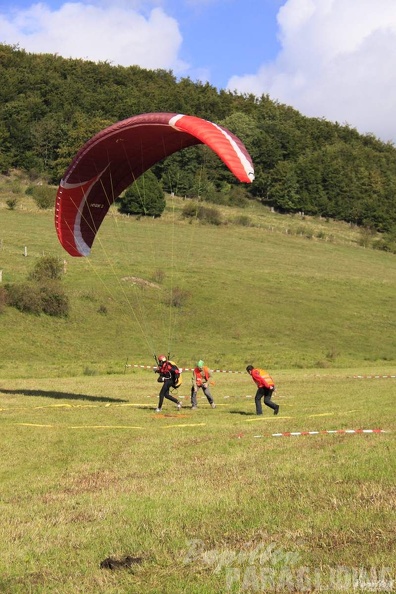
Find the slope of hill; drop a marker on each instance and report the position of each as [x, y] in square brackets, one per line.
[284, 291]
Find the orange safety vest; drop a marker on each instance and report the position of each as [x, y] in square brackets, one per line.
[200, 377]
[262, 378]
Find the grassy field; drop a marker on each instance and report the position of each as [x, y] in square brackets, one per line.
[205, 501]
[244, 294]
[208, 500]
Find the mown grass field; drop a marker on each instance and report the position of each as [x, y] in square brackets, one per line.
[209, 501]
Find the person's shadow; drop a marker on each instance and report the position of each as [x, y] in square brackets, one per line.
[61, 395]
[241, 412]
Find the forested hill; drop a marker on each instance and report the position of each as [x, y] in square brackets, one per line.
[49, 106]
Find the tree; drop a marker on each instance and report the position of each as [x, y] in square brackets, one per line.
[145, 197]
[283, 191]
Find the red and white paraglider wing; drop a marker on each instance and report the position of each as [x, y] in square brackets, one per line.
[225, 144]
[115, 157]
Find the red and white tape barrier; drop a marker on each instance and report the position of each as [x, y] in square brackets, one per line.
[374, 376]
[243, 372]
[338, 431]
[184, 369]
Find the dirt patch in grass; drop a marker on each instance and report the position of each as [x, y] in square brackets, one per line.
[140, 282]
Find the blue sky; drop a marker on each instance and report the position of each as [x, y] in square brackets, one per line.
[327, 58]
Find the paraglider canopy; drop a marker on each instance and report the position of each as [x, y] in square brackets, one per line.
[115, 157]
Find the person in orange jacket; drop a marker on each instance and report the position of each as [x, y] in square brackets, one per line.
[265, 387]
[200, 379]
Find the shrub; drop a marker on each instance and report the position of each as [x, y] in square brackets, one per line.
[219, 198]
[387, 243]
[54, 301]
[211, 216]
[12, 203]
[243, 220]
[159, 276]
[190, 210]
[48, 298]
[204, 214]
[238, 197]
[44, 196]
[47, 268]
[366, 237]
[179, 297]
[25, 297]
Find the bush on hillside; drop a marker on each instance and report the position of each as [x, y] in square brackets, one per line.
[44, 196]
[12, 203]
[178, 298]
[238, 197]
[243, 221]
[54, 301]
[25, 297]
[42, 293]
[37, 298]
[47, 268]
[387, 243]
[204, 214]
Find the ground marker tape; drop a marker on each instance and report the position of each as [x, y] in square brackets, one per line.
[104, 427]
[267, 419]
[339, 431]
[185, 425]
[374, 376]
[34, 425]
[78, 426]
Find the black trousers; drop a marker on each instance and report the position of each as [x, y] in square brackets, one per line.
[164, 393]
[267, 393]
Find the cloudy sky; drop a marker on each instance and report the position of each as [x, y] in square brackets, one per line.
[327, 58]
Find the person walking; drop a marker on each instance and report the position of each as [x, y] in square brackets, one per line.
[170, 377]
[200, 380]
[265, 387]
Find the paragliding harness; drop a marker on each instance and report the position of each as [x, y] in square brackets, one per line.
[169, 371]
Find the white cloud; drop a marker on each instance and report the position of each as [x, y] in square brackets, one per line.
[117, 34]
[337, 60]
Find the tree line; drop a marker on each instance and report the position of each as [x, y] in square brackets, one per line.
[50, 106]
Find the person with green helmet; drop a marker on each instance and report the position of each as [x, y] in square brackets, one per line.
[200, 380]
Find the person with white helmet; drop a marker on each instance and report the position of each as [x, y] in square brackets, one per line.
[200, 380]
[170, 377]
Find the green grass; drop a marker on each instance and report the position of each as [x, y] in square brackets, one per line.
[89, 470]
[208, 499]
[249, 295]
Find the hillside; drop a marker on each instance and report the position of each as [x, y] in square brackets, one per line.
[290, 292]
[50, 106]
